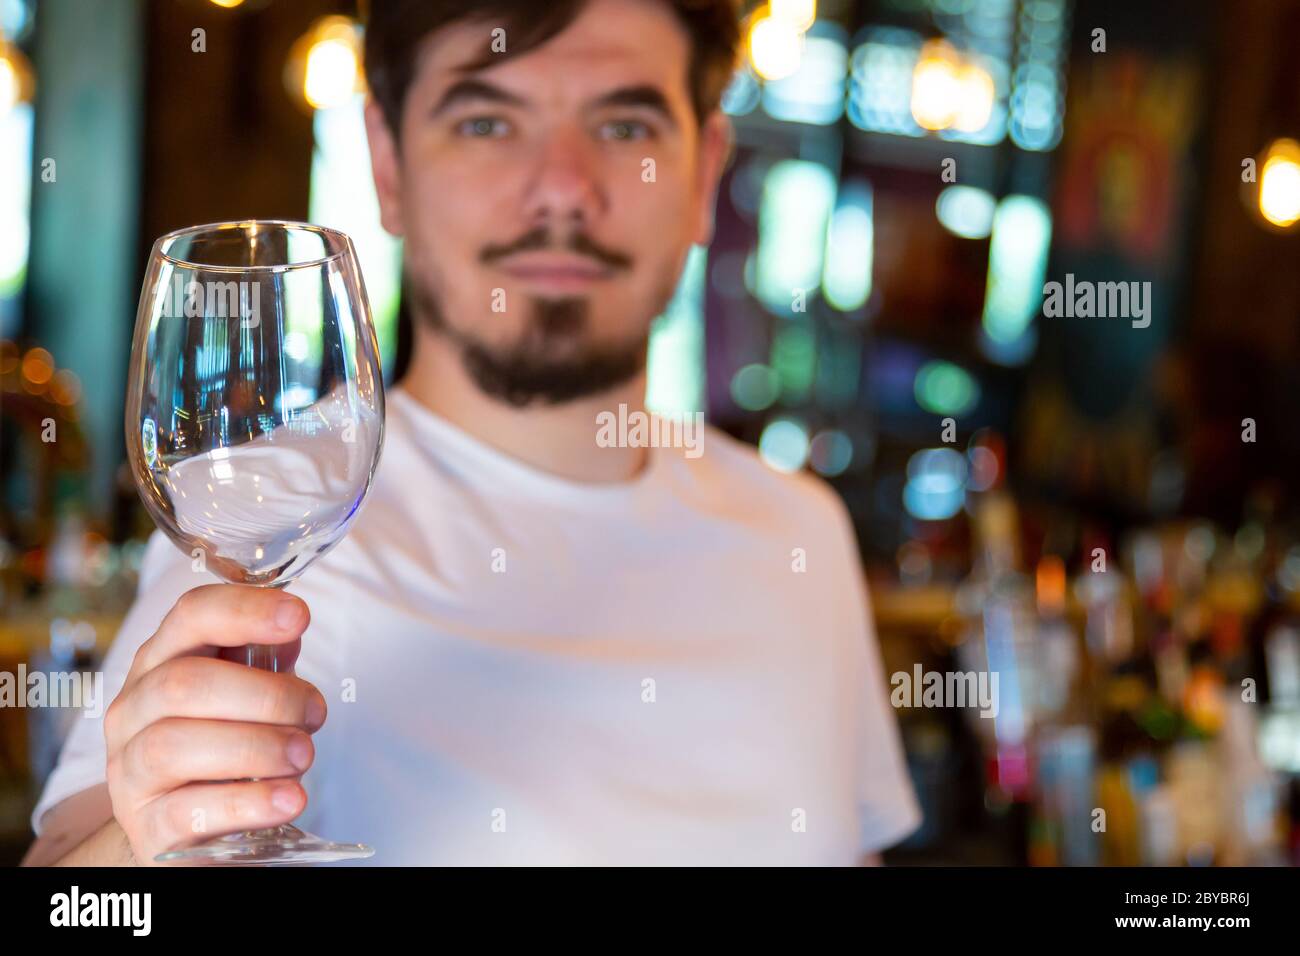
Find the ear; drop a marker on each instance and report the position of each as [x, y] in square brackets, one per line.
[716, 147]
[385, 167]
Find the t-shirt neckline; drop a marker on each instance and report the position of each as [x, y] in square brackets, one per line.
[474, 453]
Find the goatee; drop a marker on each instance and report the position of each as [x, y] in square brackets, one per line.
[548, 365]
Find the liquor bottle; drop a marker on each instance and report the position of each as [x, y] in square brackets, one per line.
[997, 602]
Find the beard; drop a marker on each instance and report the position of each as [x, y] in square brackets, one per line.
[547, 365]
[552, 362]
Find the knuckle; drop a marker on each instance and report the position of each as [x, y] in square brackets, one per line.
[188, 604]
[112, 719]
[180, 681]
[153, 748]
[143, 651]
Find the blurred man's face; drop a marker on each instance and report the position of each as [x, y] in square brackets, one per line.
[548, 201]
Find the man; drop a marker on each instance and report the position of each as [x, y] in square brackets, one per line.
[533, 648]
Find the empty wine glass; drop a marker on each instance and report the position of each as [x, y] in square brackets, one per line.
[254, 424]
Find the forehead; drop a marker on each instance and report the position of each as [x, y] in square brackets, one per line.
[609, 43]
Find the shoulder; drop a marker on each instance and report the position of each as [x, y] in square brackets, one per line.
[730, 477]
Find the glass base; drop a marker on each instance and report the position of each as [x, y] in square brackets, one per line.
[275, 846]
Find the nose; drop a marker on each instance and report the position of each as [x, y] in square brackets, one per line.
[565, 187]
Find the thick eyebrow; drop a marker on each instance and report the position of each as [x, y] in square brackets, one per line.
[645, 97]
[473, 90]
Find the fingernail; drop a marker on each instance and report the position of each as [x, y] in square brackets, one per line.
[299, 751]
[288, 615]
[315, 713]
[285, 799]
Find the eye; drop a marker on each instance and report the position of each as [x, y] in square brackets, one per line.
[482, 127]
[625, 130]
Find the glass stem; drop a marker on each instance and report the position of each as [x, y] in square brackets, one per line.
[263, 656]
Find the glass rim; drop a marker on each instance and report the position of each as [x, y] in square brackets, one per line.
[337, 235]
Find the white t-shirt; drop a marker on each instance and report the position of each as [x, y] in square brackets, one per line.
[521, 669]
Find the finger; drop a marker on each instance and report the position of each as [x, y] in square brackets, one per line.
[205, 688]
[201, 811]
[177, 751]
[222, 615]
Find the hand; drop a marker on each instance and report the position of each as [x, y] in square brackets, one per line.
[189, 717]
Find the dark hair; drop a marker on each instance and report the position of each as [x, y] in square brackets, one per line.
[395, 30]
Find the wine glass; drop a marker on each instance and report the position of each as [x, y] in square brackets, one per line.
[254, 424]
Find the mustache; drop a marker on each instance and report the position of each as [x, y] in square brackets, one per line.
[540, 238]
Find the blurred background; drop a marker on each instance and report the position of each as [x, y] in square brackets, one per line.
[1106, 515]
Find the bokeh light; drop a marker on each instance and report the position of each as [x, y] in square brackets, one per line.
[1279, 183]
[830, 453]
[324, 67]
[775, 47]
[966, 211]
[755, 387]
[945, 389]
[935, 488]
[784, 445]
[800, 14]
[936, 86]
